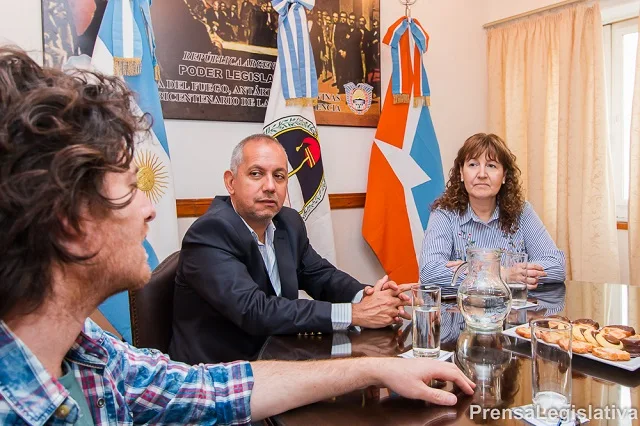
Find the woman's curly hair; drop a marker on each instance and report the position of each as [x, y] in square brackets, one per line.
[510, 198]
[59, 135]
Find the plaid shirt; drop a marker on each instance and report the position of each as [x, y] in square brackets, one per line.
[123, 385]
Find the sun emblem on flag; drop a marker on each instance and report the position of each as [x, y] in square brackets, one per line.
[153, 177]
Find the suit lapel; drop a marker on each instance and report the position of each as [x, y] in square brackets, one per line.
[256, 263]
[286, 265]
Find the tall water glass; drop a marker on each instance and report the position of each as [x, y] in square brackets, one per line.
[551, 368]
[515, 275]
[425, 304]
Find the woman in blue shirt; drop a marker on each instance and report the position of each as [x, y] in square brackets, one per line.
[483, 206]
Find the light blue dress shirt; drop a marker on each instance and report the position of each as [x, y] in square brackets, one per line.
[449, 234]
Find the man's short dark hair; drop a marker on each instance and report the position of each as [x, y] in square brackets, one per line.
[59, 135]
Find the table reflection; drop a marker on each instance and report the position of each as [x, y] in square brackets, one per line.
[499, 365]
[394, 341]
[481, 356]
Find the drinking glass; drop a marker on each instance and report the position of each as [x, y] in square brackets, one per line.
[515, 271]
[551, 368]
[425, 304]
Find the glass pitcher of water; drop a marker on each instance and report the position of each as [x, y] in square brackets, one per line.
[483, 298]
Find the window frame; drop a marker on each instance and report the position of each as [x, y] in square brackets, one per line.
[613, 34]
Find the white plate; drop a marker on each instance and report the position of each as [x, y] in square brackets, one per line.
[631, 365]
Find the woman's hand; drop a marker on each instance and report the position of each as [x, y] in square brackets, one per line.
[453, 264]
[533, 274]
[529, 274]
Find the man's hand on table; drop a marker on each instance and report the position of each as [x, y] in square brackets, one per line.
[409, 378]
[381, 305]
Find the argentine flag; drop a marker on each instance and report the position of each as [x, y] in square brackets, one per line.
[125, 46]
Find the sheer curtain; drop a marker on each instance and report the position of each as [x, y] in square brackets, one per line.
[547, 99]
[634, 180]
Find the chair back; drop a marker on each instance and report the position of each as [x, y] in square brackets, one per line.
[151, 307]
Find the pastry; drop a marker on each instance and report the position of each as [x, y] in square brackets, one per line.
[619, 331]
[632, 345]
[524, 332]
[590, 336]
[550, 336]
[608, 340]
[576, 347]
[578, 332]
[611, 354]
[557, 324]
[586, 322]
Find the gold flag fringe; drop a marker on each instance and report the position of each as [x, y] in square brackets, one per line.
[302, 102]
[421, 101]
[401, 98]
[156, 72]
[127, 66]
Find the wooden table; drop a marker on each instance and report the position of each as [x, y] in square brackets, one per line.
[507, 359]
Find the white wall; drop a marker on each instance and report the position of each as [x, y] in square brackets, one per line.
[21, 23]
[457, 74]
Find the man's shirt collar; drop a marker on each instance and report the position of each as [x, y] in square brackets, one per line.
[269, 233]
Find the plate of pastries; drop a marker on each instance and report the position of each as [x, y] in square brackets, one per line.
[617, 345]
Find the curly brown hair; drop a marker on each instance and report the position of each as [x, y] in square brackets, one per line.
[59, 135]
[510, 198]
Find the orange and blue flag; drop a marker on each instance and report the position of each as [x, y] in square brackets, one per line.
[405, 169]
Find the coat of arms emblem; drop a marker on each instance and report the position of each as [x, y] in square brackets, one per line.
[358, 97]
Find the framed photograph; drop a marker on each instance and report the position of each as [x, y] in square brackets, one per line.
[217, 57]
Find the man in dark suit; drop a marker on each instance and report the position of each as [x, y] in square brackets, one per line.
[340, 41]
[372, 55]
[246, 10]
[352, 47]
[214, 14]
[364, 45]
[316, 38]
[243, 262]
[234, 20]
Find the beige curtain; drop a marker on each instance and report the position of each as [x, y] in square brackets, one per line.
[634, 180]
[547, 99]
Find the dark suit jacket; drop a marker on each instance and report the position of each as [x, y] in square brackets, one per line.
[225, 306]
